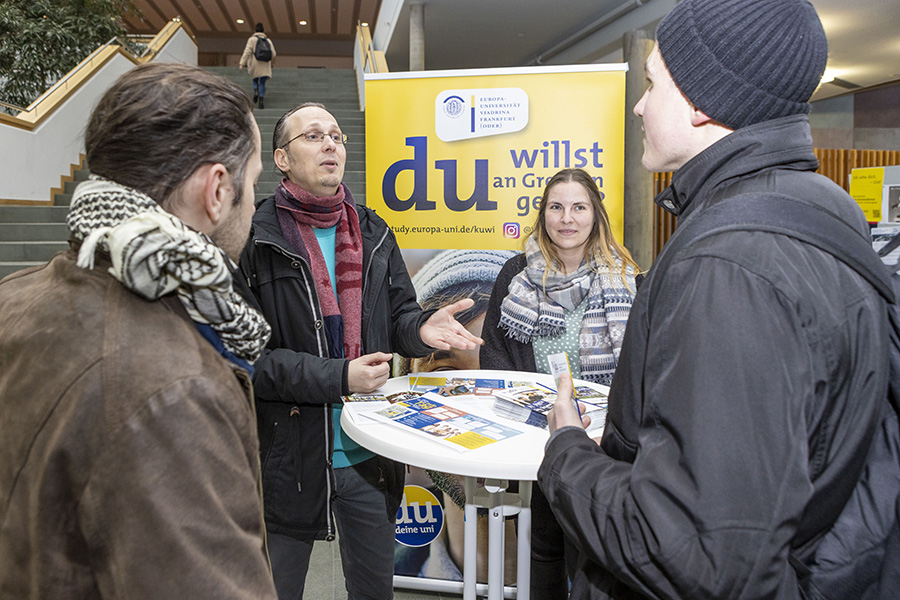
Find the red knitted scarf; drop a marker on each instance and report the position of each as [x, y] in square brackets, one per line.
[308, 211]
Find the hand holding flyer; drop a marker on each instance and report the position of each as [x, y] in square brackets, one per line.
[559, 365]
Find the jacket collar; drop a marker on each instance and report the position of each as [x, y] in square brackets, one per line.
[102, 264]
[785, 143]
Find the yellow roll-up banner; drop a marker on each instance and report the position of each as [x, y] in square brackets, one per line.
[459, 159]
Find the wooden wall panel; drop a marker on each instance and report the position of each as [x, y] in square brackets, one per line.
[833, 163]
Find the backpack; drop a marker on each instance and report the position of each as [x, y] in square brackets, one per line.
[263, 51]
[858, 556]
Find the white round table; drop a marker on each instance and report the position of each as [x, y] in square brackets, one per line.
[517, 458]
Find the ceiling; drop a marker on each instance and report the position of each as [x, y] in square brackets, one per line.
[864, 35]
[324, 21]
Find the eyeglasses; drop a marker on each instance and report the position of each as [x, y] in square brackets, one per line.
[317, 137]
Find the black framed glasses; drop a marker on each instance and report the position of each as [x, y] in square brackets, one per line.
[317, 137]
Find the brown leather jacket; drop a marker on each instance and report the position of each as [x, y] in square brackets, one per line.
[129, 451]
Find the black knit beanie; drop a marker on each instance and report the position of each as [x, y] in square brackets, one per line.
[744, 61]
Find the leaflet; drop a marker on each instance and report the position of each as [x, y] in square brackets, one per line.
[526, 403]
[429, 416]
[559, 366]
[425, 383]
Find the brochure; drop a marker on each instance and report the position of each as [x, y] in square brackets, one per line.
[364, 398]
[530, 404]
[589, 395]
[527, 403]
[463, 386]
[399, 396]
[427, 415]
[559, 366]
[425, 383]
[478, 382]
[454, 389]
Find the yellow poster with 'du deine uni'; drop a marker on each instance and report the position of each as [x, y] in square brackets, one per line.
[459, 159]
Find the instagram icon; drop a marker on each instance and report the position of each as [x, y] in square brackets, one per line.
[511, 230]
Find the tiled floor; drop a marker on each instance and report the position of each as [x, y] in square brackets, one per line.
[325, 580]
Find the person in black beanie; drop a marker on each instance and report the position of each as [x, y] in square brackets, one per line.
[750, 382]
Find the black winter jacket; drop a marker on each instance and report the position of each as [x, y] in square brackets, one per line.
[744, 400]
[295, 381]
[501, 352]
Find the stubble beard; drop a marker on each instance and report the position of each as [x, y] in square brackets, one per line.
[331, 182]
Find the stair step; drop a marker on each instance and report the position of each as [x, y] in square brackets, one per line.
[334, 88]
[350, 126]
[35, 232]
[33, 214]
[31, 235]
[30, 251]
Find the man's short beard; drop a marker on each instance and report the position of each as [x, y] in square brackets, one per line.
[331, 181]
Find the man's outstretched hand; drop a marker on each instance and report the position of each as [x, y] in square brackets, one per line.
[443, 331]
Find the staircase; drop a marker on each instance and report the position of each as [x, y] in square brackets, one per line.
[31, 235]
[336, 89]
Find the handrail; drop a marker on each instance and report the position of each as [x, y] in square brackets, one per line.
[375, 62]
[366, 59]
[30, 117]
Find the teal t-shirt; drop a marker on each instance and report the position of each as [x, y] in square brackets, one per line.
[346, 451]
[567, 342]
[326, 239]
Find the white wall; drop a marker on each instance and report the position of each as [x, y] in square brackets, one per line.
[180, 48]
[33, 162]
[388, 15]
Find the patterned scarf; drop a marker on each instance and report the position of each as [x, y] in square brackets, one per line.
[154, 253]
[299, 212]
[527, 313]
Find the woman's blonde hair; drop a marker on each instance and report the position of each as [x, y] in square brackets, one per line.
[602, 247]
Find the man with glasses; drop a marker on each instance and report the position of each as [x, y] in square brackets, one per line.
[329, 278]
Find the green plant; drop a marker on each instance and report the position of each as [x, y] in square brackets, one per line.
[42, 40]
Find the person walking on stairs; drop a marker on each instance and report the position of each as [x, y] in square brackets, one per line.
[257, 58]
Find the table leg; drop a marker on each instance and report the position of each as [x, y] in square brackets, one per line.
[494, 498]
[470, 565]
[496, 541]
[523, 561]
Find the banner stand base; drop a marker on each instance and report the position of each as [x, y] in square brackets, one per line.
[446, 586]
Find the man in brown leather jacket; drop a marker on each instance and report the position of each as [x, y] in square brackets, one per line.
[129, 463]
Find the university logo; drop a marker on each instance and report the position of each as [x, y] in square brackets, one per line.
[420, 517]
[454, 107]
[475, 113]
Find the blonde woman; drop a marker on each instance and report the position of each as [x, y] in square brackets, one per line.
[571, 291]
